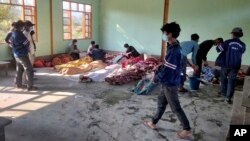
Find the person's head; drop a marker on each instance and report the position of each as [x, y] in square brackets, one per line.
[126, 45]
[92, 42]
[74, 42]
[170, 31]
[19, 25]
[28, 25]
[97, 46]
[195, 37]
[218, 41]
[13, 26]
[237, 32]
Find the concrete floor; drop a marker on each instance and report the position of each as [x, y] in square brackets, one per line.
[62, 110]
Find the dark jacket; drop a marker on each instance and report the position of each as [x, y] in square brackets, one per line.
[231, 54]
[169, 74]
[20, 44]
[204, 48]
[133, 52]
[97, 54]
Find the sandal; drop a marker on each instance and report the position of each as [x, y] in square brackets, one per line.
[183, 90]
[32, 88]
[149, 124]
[21, 86]
[184, 134]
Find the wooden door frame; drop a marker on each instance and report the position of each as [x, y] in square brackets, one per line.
[51, 29]
[165, 20]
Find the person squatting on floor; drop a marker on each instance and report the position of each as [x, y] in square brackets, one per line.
[20, 46]
[169, 75]
[229, 60]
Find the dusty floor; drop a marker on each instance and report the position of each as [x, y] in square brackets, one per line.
[62, 110]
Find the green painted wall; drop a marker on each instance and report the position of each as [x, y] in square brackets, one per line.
[136, 22]
[211, 19]
[43, 19]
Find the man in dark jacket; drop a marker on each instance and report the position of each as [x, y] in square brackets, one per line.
[169, 75]
[131, 51]
[97, 54]
[229, 60]
[204, 48]
[20, 46]
[8, 39]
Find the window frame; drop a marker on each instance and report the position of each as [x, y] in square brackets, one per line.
[70, 20]
[23, 14]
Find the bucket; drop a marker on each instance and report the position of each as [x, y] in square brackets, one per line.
[194, 83]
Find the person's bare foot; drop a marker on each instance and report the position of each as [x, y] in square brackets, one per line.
[149, 124]
[184, 134]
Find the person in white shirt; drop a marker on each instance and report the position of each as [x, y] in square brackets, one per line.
[91, 46]
[29, 33]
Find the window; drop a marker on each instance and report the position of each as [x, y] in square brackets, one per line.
[77, 20]
[13, 10]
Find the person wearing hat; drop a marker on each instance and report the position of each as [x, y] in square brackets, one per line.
[20, 46]
[29, 33]
[229, 60]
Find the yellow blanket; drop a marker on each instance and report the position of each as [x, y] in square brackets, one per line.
[76, 63]
[80, 66]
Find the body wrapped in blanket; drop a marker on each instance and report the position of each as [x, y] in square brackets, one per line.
[132, 72]
[80, 66]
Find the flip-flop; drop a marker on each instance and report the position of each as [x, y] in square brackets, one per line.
[22, 87]
[183, 90]
[146, 123]
[183, 137]
[32, 88]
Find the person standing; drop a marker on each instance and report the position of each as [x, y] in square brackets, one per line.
[169, 76]
[188, 47]
[29, 33]
[8, 39]
[229, 60]
[21, 46]
[204, 48]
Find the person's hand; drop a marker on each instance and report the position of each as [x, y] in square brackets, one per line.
[205, 63]
[195, 67]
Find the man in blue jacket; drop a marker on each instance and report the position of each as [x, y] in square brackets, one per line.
[169, 75]
[20, 46]
[229, 60]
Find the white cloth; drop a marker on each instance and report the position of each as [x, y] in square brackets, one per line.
[89, 48]
[100, 75]
[29, 37]
[32, 58]
[190, 71]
